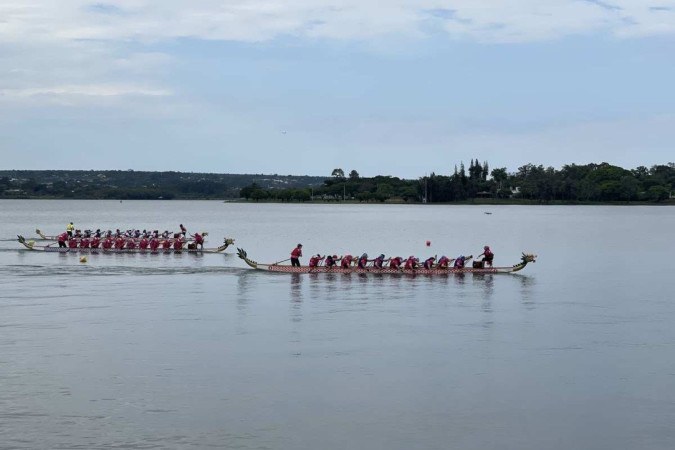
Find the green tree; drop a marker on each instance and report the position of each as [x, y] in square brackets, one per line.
[338, 173]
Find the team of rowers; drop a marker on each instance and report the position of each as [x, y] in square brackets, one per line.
[396, 262]
[129, 239]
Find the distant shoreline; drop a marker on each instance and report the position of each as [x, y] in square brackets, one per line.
[475, 202]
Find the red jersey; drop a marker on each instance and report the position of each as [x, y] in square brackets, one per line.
[296, 253]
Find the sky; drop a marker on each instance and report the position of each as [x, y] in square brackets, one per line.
[383, 87]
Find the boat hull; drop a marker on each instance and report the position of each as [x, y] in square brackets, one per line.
[30, 245]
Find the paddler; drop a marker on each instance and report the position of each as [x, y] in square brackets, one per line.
[296, 253]
[487, 255]
[395, 262]
[107, 243]
[183, 230]
[131, 244]
[72, 243]
[143, 244]
[459, 262]
[346, 261]
[411, 263]
[331, 260]
[429, 262]
[315, 260]
[84, 242]
[178, 243]
[199, 240]
[363, 261]
[379, 261]
[62, 239]
[95, 242]
[443, 262]
[154, 243]
[69, 229]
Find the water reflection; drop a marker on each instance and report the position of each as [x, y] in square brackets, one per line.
[296, 297]
[527, 284]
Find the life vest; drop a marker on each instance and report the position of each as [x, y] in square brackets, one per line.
[72, 243]
[313, 261]
[95, 242]
[198, 238]
[428, 264]
[143, 244]
[84, 243]
[394, 263]
[443, 262]
[346, 261]
[177, 244]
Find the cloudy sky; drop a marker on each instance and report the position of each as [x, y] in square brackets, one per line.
[398, 87]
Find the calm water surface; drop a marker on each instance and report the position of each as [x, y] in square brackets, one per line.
[185, 351]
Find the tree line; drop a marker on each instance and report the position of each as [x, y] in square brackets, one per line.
[530, 183]
[534, 183]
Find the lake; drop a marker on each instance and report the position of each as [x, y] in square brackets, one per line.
[577, 351]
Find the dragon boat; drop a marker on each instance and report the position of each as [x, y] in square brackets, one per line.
[285, 268]
[30, 245]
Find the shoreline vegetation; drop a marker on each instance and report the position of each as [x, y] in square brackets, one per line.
[589, 184]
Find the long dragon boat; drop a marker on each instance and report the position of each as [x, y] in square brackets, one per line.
[30, 245]
[285, 268]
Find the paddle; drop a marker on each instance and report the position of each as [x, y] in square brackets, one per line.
[274, 264]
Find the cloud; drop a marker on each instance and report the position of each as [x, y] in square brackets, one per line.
[263, 20]
[94, 90]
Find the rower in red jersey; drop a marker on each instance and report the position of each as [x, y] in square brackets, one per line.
[411, 262]
[144, 243]
[459, 262]
[395, 262]
[178, 243]
[363, 261]
[315, 260]
[443, 262]
[166, 244]
[63, 238]
[378, 262]
[488, 256]
[84, 243]
[154, 243]
[131, 244]
[72, 243]
[119, 243]
[429, 262]
[199, 240]
[95, 242]
[331, 260]
[107, 243]
[346, 261]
